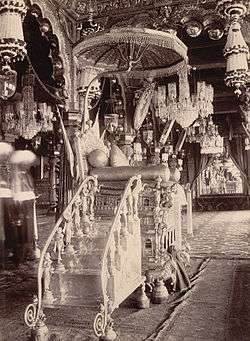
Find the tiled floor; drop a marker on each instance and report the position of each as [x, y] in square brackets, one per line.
[218, 307]
[221, 234]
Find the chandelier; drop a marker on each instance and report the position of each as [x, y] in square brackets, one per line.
[26, 117]
[28, 126]
[12, 45]
[236, 50]
[185, 108]
[206, 133]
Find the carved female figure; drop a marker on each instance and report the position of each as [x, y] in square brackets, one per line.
[68, 231]
[93, 189]
[59, 244]
[136, 195]
[47, 271]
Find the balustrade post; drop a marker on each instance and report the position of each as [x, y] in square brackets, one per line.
[47, 273]
[52, 178]
[189, 210]
[68, 232]
[36, 251]
[58, 249]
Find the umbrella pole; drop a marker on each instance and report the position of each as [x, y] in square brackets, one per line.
[86, 109]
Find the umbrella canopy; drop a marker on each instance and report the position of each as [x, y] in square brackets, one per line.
[133, 49]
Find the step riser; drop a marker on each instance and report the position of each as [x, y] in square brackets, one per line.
[75, 290]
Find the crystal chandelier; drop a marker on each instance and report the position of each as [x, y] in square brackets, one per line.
[185, 108]
[12, 44]
[206, 133]
[28, 126]
[236, 50]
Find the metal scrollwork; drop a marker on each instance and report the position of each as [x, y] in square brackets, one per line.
[100, 322]
[31, 313]
[60, 240]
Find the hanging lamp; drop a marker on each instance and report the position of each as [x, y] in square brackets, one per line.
[236, 50]
[12, 44]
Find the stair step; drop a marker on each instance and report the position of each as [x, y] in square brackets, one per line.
[76, 289]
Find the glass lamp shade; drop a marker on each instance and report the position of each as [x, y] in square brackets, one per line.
[193, 28]
[12, 44]
[214, 26]
[215, 33]
[8, 79]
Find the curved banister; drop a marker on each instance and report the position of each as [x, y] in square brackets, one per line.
[127, 192]
[32, 313]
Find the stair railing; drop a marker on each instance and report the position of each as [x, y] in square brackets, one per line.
[76, 222]
[121, 262]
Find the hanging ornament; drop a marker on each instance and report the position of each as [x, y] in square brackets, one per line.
[236, 50]
[206, 133]
[12, 44]
[8, 79]
[214, 26]
[28, 126]
[193, 28]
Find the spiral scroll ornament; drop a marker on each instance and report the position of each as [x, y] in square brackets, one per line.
[100, 323]
[30, 315]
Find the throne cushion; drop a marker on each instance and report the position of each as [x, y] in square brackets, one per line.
[123, 173]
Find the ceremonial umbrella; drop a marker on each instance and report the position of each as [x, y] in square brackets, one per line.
[133, 50]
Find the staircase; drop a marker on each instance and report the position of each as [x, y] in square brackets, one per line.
[92, 251]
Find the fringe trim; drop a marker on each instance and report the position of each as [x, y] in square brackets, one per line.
[22, 196]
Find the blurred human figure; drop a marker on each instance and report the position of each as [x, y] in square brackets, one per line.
[5, 197]
[23, 213]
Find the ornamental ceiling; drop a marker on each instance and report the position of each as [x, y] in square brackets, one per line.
[142, 13]
[105, 7]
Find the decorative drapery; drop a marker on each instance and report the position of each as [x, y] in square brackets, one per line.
[202, 161]
[205, 161]
[239, 157]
